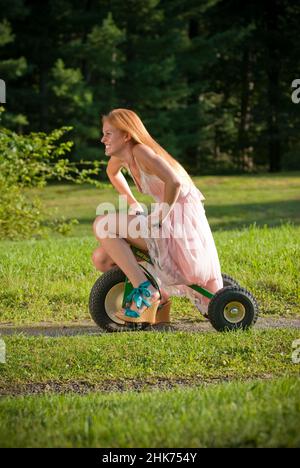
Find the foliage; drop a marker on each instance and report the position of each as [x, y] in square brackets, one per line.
[28, 161]
[210, 79]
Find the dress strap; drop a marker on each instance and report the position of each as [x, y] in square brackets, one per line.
[138, 185]
[137, 164]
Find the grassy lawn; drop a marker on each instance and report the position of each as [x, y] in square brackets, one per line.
[50, 280]
[231, 201]
[255, 222]
[142, 356]
[253, 414]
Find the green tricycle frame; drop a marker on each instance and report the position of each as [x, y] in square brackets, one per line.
[232, 307]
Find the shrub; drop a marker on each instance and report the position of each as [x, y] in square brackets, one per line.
[28, 161]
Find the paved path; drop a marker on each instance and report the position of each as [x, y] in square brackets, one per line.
[89, 328]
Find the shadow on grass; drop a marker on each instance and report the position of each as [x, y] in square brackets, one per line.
[228, 217]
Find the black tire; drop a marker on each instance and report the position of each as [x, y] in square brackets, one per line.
[229, 281]
[232, 308]
[106, 298]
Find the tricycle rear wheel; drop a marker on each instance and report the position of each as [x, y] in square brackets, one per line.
[232, 308]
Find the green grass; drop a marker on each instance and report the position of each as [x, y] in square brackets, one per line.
[255, 414]
[255, 221]
[231, 201]
[95, 359]
[50, 280]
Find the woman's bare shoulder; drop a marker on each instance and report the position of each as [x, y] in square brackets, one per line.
[153, 164]
[141, 153]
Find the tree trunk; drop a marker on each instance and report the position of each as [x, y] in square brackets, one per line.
[244, 161]
[44, 121]
[273, 81]
[192, 152]
[84, 66]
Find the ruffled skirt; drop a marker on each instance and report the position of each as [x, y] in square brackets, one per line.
[183, 250]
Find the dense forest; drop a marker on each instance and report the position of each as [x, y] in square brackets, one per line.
[211, 79]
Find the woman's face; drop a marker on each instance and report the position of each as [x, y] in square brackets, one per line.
[113, 139]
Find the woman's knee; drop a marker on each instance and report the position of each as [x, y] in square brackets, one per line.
[102, 260]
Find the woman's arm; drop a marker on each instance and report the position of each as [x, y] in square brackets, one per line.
[158, 166]
[118, 180]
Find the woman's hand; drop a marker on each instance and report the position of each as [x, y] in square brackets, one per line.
[135, 208]
[154, 221]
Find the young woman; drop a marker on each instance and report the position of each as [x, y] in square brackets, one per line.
[189, 257]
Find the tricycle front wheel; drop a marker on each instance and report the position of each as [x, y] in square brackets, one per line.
[106, 299]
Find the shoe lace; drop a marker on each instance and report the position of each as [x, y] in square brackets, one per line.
[137, 294]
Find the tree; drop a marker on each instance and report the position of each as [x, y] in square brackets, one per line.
[211, 79]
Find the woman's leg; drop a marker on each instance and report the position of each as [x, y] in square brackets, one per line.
[118, 248]
[101, 260]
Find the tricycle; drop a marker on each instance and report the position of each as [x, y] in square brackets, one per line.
[232, 307]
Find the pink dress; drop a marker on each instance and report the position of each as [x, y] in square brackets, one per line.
[186, 253]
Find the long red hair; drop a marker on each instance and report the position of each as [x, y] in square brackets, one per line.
[130, 122]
